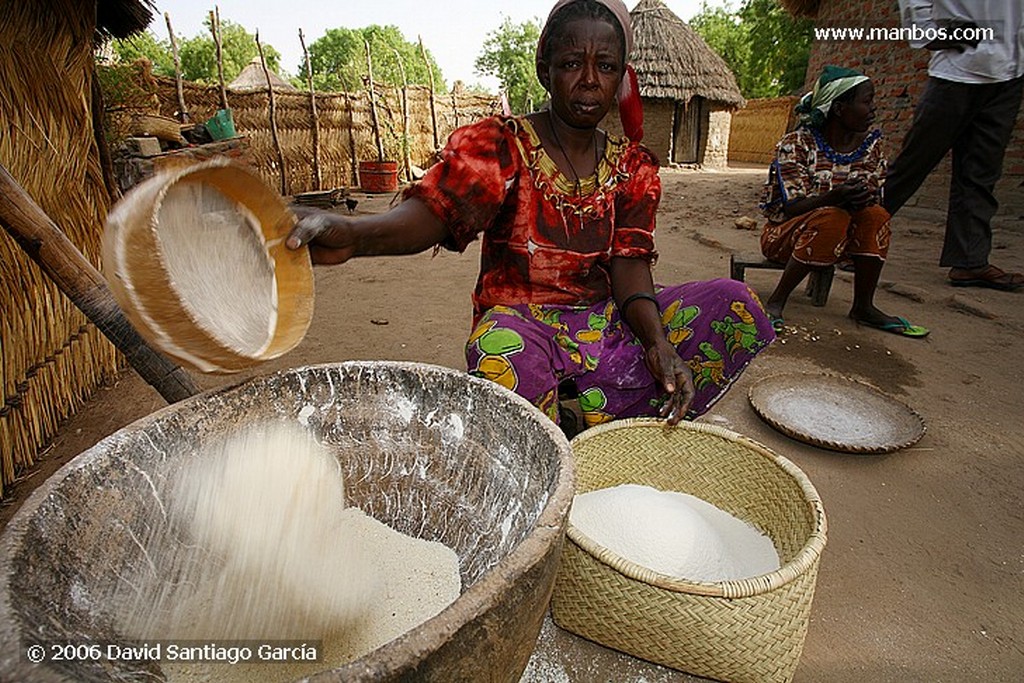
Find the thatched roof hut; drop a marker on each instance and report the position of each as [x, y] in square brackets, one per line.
[51, 356]
[252, 79]
[688, 90]
[673, 62]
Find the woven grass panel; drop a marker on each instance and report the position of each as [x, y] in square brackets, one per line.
[757, 128]
[51, 357]
[345, 121]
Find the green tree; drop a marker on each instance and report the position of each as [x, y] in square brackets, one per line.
[238, 47]
[145, 46]
[764, 46]
[780, 47]
[338, 59]
[509, 54]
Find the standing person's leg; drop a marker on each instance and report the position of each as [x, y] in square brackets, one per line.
[977, 166]
[940, 116]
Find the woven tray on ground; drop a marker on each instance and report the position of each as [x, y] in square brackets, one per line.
[746, 630]
[835, 412]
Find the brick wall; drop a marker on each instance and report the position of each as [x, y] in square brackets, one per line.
[899, 73]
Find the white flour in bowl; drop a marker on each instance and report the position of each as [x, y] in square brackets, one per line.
[673, 533]
[260, 547]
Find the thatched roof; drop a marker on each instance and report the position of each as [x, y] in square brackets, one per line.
[122, 18]
[252, 78]
[673, 62]
[801, 8]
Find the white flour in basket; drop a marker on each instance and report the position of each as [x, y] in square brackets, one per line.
[672, 533]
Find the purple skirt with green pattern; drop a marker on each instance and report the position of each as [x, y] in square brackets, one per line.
[717, 327]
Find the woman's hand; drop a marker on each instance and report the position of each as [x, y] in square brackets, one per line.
[853, 195]
[675, 377]
[331, 237]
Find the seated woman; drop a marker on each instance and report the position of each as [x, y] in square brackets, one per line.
[822, 198]
[565, 213]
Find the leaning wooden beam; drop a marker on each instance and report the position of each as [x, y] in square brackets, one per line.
[48, 246]
[433, 107]
[273, 119]
[215, 29]
[182, 109]
[317, 175]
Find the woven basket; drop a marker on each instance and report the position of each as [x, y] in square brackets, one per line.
[746, 630]
[137, 269]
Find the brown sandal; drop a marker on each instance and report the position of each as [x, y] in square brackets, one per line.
[988, 276]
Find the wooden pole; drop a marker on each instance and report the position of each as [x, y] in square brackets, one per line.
[354, 174]
[433, 108]
[106, 162]
[48, 246]
[182, 110]
[317, 175]
[273, 119]
[406, 153]
[215, 29]
[373, 104]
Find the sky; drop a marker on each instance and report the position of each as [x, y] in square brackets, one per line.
[452, 30]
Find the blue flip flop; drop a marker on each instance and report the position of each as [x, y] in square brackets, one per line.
[902, 327]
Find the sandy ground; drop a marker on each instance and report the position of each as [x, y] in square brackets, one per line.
[923, 575]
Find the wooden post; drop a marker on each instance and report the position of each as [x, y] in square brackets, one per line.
[48, 246]
[317, 175]
[99, 134]
[215, 29]
[273, 119]
[433, 108]
[354, 173]
[373, 104]
[182, 110]
[406, 153]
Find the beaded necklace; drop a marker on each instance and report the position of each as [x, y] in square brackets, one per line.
[840, 158]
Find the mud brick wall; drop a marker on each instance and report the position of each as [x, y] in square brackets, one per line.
[900, 72]
[716, 151]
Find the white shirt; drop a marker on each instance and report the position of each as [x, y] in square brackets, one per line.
[992, 61]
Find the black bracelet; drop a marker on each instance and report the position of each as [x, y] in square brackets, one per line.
[633, 297]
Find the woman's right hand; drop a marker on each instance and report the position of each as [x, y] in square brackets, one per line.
[853, 194]
[331, 237]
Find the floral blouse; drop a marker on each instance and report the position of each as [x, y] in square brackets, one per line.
[806, 166]
[545, 240]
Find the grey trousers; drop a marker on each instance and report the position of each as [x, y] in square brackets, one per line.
[976, 122]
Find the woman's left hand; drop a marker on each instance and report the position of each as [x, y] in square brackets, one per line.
[675, 377]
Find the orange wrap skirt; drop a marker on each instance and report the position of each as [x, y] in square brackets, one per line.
[824, 236]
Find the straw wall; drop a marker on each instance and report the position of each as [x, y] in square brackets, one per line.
[757, 128]
[344, 118]
[51, 357]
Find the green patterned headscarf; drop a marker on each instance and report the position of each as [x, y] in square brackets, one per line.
[833, 82]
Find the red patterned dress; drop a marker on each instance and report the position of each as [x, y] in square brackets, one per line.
[543, 309]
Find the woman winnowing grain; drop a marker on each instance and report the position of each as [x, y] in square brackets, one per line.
[566, 214]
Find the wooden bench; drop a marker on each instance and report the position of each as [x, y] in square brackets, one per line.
[819, 282]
